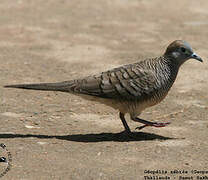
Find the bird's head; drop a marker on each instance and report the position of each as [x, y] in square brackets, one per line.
[180, 51]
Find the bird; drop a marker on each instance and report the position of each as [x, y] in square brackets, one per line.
[130, 88]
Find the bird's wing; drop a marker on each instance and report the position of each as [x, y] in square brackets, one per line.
[128, 82]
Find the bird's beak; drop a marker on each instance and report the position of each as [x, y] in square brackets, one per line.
[195, 56]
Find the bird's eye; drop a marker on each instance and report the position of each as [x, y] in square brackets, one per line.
[183, 49]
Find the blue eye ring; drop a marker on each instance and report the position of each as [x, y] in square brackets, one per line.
[183, 49]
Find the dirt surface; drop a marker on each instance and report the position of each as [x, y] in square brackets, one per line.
[60, 136]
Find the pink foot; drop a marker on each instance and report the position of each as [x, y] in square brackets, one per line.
[155, 124]
[160, 124]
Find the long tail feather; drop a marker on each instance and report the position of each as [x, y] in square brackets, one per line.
[66, 86]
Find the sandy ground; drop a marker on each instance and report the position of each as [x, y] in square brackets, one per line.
[60, 136]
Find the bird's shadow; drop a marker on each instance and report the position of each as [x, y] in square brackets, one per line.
[90, 138]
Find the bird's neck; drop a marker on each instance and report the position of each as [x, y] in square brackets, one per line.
[171, 64]
[169, 69]
[169, 59]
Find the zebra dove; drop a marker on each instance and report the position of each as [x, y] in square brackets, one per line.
[130, 88]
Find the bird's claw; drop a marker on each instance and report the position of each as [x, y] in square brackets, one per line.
[155, 124]
[141, 127]
[160, 124]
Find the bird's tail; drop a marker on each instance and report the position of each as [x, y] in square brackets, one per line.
[66, 86]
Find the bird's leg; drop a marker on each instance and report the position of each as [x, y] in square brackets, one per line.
[127, 129]
[148, 123]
